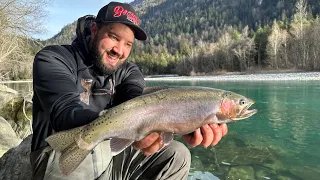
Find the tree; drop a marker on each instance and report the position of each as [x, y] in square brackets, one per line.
[300, 21]
[18, 20]
[301, 14]
[261, 40]
[274, 42]
[23, 17]
[315, 51]
[243, 49]
[224, 44]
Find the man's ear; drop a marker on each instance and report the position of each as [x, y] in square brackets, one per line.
[94, 29]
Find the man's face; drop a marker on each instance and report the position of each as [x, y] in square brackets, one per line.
[111, 46]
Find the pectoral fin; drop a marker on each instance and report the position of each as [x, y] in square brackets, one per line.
[118, 145]
[167, 137]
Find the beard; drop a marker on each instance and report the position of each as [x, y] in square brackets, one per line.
[98, 60]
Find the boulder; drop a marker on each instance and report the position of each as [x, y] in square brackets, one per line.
[241, 172]
[196, 175]
[15, 112]
[6, 94]
[15, 163]
[16, 108]
[8, 137]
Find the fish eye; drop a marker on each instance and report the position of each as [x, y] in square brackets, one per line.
[242, 102]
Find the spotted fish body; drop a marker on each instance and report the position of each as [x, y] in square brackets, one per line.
[167, 110]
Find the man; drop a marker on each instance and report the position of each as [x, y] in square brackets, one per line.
[73, 83]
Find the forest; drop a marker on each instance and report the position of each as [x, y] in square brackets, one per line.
[186, 37]
[209, 37]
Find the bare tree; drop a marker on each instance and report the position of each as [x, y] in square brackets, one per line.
[314, 40]
[243, 50]
[284, 48]
[274, 42]
[24, 17]
[300, 21]
[18, 20]
[301, 15]
[224, 44]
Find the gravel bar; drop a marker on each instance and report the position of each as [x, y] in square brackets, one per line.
[306, 76]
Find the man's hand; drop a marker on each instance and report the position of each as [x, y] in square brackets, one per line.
[150, 144]
[209, 134]
[206, 135]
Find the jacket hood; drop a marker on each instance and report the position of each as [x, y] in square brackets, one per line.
[83, 36]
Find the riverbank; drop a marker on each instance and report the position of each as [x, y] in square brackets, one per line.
[20, 81]
[292, 76]
[300, 76]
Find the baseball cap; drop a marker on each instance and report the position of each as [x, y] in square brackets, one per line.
[116, 12]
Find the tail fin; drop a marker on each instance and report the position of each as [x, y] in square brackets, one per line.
[71, 154]
[61, 140]
[71, 158]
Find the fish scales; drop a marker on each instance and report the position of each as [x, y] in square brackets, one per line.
[163, 107]
[167, 110]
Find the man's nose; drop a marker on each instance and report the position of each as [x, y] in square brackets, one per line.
[118, 48]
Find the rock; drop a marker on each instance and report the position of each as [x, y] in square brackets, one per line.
[241, 172]
[306, 172]
[265, 173]
[233, 151]
[283, 178]
[18, 112]
[8, 138]
[16, 109]
[201, 175]
[6, 94]
[15, 163]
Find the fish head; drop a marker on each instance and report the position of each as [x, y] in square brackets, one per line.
[234, 107]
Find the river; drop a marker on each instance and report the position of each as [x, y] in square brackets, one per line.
[281, 141]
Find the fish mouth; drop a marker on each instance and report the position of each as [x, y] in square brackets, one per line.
[245, 112]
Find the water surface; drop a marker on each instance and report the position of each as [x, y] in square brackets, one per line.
[281, 141]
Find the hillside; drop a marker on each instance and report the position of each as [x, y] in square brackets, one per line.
[64, 36]
[183, 16]
[185, 35]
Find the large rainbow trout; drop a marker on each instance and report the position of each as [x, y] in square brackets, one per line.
[167, 110]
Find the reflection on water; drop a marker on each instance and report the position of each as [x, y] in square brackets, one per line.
[20, 87]
[280, 142]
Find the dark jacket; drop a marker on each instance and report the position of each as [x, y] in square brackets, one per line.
[68, 92]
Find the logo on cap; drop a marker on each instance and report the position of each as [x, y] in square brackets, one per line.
[119, 10]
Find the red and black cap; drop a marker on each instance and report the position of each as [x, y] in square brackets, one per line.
[116, 12]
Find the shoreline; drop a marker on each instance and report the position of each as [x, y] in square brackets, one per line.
[299, 76]
[20, 81]
[291, 76]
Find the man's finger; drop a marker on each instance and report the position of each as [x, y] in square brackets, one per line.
[155, 147]
[193, 139]
[217, 133]
[207, 135]
[147, 141]
[224, 129]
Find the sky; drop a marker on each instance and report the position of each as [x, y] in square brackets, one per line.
[63, 12]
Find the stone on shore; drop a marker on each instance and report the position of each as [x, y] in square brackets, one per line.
[8, 137]
[15, 163]
[17, 110]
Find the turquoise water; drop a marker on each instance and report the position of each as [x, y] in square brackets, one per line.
[281, 141]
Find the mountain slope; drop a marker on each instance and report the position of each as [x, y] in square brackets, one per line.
[160, 17]
[206, 36]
